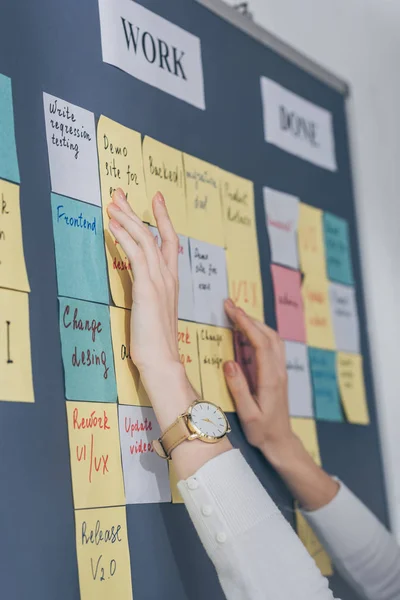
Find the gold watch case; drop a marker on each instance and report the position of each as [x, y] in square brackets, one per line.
[196, 434]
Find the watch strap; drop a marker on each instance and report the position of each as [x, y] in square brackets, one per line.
[176, 433]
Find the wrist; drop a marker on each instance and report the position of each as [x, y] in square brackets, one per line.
[285, 452]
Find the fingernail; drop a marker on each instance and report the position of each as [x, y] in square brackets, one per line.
[119, 196]
[160, 198]
[229, 302]
[230, 368]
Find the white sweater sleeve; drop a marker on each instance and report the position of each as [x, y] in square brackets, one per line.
[256, 553]
[362, 550]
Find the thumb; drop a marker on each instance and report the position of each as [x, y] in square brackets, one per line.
[246, 405]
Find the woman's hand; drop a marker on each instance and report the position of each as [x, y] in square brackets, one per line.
[154, 321]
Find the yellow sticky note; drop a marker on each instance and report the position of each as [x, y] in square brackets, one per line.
[163, 169]
[203, 197]
[313, 545]
[126, 373]
[352, 389]
[317, 313]
[188, 352]
[13, 273]
[95, 454]
[306, 430]
[244, 279]
[215, 348]
[173, 483]
[102, 547]
[311, 241]
[16, 384]
[120, 164]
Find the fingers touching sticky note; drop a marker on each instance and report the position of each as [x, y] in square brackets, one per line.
[126, 373]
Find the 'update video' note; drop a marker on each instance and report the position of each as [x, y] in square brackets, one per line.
[13, 273]
[145, 473]
[71, 144]
[95, 454]
[87, 351]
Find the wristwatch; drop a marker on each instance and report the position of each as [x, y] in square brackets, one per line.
[203, 421]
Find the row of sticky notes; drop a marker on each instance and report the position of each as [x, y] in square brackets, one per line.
[305, 237]
[205, 202]
[97, 363]
[16, 384]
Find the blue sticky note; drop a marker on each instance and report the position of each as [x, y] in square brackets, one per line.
[325, 385]
[80, 256]
[8, 149]
[337, 249]
[87, 351]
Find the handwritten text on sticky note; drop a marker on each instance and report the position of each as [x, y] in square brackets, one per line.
[215, 348]
[288, 303]
[338, 252]
[311, 241]
[317, 313]
[325, 385]
[282, 216]
[299, 380]
[352, 388]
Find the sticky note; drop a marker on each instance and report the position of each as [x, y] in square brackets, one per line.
[13, 273]
[127, 375]
[243, 263]
[16, 383]
[8, 149]
[102, 550]
[317, 312]
[282, 217]
[71, 145]
[306, 431]
[215, 348]
[189, 352]
[173, 481]
[145, 473]
[210, 284]
[288, 303]
[311, 241]
[352, 388]
[87, 351]
[246, 357]
[185, 299]
[344, 317]
[313, 545]
[204, 209]
[79, 246]
[325, 386]
[94, 449]
[299, 380]
[164, 172]
[121, 166]
[338, 252]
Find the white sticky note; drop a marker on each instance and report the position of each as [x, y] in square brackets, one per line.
[185, 300]
[282, 217]
[344, 317]
[152, 49]
[146, 475]
[299, 380]
[210, 283]
[72, 148]
[298, 126]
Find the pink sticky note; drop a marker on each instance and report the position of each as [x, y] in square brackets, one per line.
[246, 357]
[288, 304]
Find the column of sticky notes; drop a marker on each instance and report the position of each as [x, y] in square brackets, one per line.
[16, 384]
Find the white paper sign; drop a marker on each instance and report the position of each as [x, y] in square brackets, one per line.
[152, 49]
[344, 317]
[297, 125]
[299, 380]
[72, 149]
[282, 216]
[186, 299]
[146, 475]
[210, 283]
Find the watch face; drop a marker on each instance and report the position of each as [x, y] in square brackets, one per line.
[209, 419]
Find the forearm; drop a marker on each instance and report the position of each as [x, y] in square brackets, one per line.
[308, 483]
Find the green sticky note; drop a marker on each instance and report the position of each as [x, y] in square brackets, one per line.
[87, 351]
[8, 149]
[337, 249]
[79, 244]
[325, 385]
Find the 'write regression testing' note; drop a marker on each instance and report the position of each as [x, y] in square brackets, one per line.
[95, 454]
[102, 550]
[87, 351]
